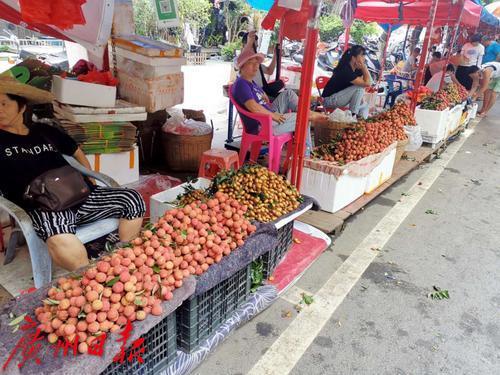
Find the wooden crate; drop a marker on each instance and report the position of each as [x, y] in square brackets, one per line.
[196, 58]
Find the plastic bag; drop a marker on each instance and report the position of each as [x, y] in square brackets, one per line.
[342, 116]
[177, 124]
[414, 138]
[61, 13]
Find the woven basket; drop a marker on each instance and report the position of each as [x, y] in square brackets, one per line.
[183, 152]
[325, 133]
[400, 149]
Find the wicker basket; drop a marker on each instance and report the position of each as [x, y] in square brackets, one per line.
[183, 152]
[400, 149]
[325, 133]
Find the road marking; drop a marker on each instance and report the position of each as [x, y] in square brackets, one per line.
[287, 350]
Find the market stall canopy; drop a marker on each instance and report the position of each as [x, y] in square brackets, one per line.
[94, 35]
[294, 22]
[417, 12]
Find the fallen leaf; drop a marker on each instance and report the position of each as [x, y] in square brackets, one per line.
[413, 225]
[286, 314]
[296, 240]
[375, 249]
[307, 299]
[431, 212]
[298, 308]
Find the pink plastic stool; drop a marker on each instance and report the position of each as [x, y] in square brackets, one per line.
[215, 160]
[253, 142]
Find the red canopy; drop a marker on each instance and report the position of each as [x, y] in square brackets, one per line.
[417, 12]
[412, 12]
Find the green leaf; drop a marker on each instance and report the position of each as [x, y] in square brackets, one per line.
[51, 302]
[82, 314]
[75, 276]
[156, 269]
[113, 281]
[307, 299]
[430, 212]
[184, 233]
[17, 320]
[138, 302]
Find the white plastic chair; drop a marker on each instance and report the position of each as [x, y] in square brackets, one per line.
[41, 262]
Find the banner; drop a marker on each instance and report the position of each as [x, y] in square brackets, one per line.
[167, 13]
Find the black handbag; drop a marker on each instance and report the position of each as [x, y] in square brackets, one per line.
[57, 189]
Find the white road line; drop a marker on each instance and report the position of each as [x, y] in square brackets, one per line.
[286, 351]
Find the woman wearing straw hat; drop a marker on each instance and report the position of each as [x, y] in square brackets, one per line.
[252, 97]
[26, 153]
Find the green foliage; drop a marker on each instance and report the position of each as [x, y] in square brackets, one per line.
[331, 27]
[214, 40]
[233, 10]
[145, 18]
[195, 12]
[228, 51]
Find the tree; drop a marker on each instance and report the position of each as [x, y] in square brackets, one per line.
[145, 18]
[331, 27]
[233, 11]
[195, 12]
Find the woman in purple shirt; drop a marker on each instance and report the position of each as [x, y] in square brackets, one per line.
[249, 95]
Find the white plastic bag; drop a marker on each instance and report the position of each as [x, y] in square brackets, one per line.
[414, 138]
[177, 124]
[339, 115]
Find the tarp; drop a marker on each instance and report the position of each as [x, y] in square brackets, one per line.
[417, 12]
[295, 22]
[261, 4]
[93, 35]
[488, 13]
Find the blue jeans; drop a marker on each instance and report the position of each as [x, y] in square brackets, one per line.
[286, 103]
[352, 96]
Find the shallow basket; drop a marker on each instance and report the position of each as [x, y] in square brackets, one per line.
[161, 351]
[400, 149]
[325, 133]
[183, 152]
[199, 316]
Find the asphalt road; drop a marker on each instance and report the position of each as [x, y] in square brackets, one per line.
[386, 324]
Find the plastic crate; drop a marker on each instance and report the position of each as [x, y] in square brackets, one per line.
[161, 350]
[271, 259]
[201, 315]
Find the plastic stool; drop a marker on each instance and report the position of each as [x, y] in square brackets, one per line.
[215, 160]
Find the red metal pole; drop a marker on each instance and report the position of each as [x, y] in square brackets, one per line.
[453, 40]
[305, 91]
[384, 54]
[346, 38]
[425, 47]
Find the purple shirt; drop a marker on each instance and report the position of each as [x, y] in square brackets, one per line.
[244, 91]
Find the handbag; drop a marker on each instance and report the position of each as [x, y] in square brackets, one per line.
[57, 189]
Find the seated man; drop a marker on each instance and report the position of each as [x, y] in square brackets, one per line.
[250, 96]
[410, 66]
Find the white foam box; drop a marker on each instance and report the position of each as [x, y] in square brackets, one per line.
[332, 193]
[72, 91]
[290, 78]
[146, 71]
[454, 118]
[154, 94]
[123, 167]
[473, 111]
[433, 124]
[164, 201]
[381, 173]
[147, 46]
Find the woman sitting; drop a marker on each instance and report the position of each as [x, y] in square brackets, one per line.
[250, 96]
[348, 82]
[26, 153]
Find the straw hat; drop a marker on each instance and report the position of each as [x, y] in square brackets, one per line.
[248, 54]
[9, 85]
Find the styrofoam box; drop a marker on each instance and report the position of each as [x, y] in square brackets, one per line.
[433, 124]
[71, 91]
[381, 173]
[454, 118]
[123, 167]
[291, 78]
[473, 111]
[155, 94]
[138, 69]
[332, 193]
[162, 202]
[149, 60]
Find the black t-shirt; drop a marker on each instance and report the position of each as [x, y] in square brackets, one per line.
[340, 80]
[25, 157]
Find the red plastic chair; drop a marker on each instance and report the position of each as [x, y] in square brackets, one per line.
[253, 142]
[321, 82]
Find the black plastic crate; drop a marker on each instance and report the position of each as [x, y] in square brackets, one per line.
[199, 316]
[161, 350]
[271, 259]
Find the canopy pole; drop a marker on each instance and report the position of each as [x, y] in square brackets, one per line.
[347, 37]
[384, 54]
[305, 91]
[425, 48]
[453, 40]
[404, 43]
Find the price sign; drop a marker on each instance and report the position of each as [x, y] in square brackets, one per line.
[167, 13]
